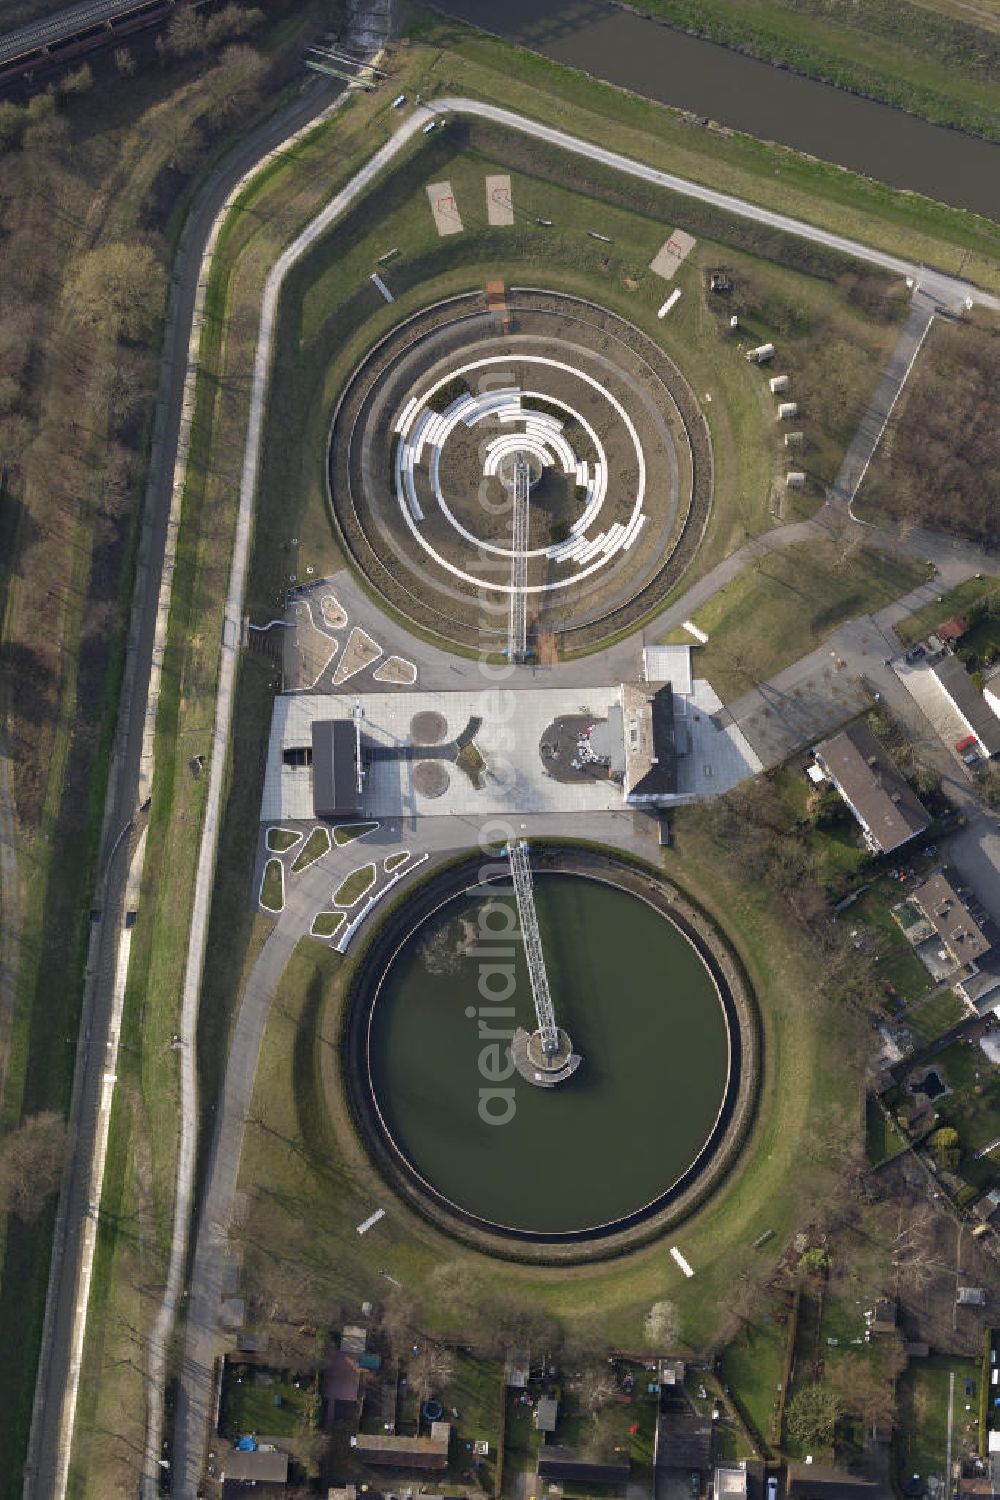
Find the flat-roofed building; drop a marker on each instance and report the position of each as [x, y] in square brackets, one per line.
[546, 1414]
[887, 809]
[335, 768]
[570, 1464]
[831, 1482]
[731, 1481]
[263, 1470]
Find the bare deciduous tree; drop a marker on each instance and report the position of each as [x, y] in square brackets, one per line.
[31, 1163]
[431, 1369]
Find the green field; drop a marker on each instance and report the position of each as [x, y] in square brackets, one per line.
[788, 603]
[353, 888]
[922, 1441]
[317, 1175]
[266, 1403]
[883, 1138]
[938, 60]
[315, 846]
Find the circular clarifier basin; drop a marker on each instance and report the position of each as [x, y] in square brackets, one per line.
[644, 1012]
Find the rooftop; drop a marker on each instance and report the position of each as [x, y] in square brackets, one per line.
[406, 1452]
[951, 919]
[557, 1462]
[955, 681]
[262, 1465]
[650, 748]
[831, 1482]
[881, 800]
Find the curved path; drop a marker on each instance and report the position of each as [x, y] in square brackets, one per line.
[951, 291]
[193, 1407]
[58, 1371]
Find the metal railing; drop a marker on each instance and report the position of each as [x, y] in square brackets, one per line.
[520, 869]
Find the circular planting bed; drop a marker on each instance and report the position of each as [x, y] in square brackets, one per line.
[423, 460]
[660, 1014]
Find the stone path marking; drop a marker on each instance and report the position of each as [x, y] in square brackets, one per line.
[499, 200]
[447, 219]
[672, 253]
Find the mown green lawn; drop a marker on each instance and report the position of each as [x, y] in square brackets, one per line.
[752, 1367]
[922, 1440]
[786, 604]
[266, 1404]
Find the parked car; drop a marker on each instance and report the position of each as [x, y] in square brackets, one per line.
[968, 749]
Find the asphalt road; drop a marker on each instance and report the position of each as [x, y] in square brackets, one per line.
[210, 1264]
[125, 778]
[47, 1439]
[949, 291]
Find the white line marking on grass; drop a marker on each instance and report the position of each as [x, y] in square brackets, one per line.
[685, 1266]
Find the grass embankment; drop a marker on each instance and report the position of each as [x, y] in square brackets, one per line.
[937, 60]
[139, 1185]
[320, 1184]
[788, 603]
[832, 328]
[461, 60]
[141, 1164]
[81, 180]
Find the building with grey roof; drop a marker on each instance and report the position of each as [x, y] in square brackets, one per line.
[968, 703]
[335, 768]
[955, 926]
[888, 811]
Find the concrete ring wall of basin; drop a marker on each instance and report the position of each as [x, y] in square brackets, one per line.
[703, 1177]
[452, 332]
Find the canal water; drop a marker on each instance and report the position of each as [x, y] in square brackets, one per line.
[640, 1007]
[765, 101]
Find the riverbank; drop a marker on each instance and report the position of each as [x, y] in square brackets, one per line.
[771, 104]
[910, 56]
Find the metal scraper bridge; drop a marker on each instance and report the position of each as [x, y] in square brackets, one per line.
[546, 1057]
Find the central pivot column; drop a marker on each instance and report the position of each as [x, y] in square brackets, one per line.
[546, 1057]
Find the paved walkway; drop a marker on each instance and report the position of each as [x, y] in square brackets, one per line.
[861, 451]
[206, 1282]
[54, 1414]
[949, 291]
